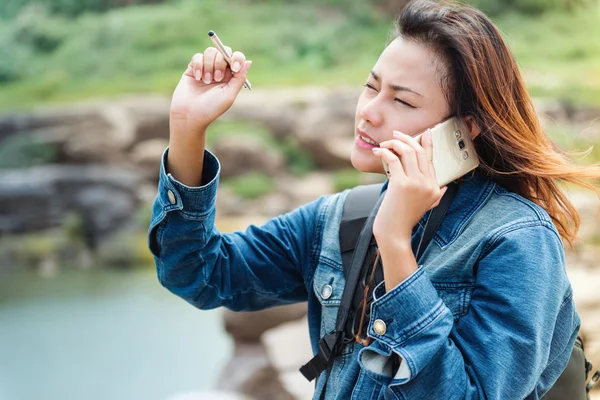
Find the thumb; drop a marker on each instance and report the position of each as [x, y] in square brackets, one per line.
[237, 80]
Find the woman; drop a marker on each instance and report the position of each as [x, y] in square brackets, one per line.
[489, 311]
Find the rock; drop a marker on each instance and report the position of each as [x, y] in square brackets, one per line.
[71, 117]
[586, 293]
[273, 204]
[228, 204]
[326, 130]
[277, 109]
[588, 205]
[150, 115]
[210, 395]
[104, 141]
[305, 189]
[249, 326]
[40, 198]
[95, 131]
[250, 373]
[321, 119]
[232, 224]
[147, 155]
[288, 348]
[240, 154]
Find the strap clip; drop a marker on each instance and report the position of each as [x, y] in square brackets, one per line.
[593, 381]
[318, 363]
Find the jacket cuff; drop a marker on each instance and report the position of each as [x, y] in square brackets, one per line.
[197, 202]
[377, 362]
[409, 321]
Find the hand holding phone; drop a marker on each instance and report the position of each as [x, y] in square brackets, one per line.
[453, 151]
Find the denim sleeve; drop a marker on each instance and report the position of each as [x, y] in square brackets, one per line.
[261, 267]
[520, 327]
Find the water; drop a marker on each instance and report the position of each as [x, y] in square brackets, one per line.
[104, 334]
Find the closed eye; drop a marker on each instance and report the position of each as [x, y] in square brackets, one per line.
[404, 102]
[369, 86]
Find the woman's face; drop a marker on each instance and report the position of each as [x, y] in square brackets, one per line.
[403, 93]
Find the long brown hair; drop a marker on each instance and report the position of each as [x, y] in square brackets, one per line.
[482, 80]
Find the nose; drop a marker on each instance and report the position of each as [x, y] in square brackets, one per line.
[371, 113]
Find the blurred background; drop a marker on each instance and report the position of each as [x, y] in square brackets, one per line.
[85, 88]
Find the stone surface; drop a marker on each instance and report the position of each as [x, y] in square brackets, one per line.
[307, 188]
[249, 326]
[147, 156]
[39, 198]
[288, 348]
[209, 395]
[250, 373]
[240, 154]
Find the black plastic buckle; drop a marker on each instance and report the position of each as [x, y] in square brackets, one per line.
[593, 381]
[318, 363]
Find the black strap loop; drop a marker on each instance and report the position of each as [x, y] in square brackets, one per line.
[435, 219]
[318, 363]
[330, 344]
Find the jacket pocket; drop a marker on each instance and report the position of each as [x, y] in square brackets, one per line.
[456, 296]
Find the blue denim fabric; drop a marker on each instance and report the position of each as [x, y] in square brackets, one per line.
[488, 314]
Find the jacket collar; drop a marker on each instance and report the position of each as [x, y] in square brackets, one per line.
[472, 193]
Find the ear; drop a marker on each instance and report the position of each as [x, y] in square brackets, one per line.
[473, 127]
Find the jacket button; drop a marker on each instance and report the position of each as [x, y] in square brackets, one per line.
[379, 327]
[326, 292]
[171, 196]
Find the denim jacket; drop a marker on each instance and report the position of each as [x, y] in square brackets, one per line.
[489, 313]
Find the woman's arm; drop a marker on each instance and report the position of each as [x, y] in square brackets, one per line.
[520, 326]
[261, 267]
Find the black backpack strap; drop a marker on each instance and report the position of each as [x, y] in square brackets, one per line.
[330, 344]
[357, 207]
[435, 219]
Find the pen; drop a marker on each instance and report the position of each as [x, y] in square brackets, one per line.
[219, 45]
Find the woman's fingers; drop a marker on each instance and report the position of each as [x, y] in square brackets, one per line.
[195, 66]
[211, 66]
[237, 80]
[220, 65]
[210, 55]
[427, 143]
[394, 165]
[421, 152]
[237, 61]
[406, 154]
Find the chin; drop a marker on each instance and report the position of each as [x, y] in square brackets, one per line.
[365, 163]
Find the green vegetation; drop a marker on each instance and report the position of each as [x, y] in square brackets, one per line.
[11, 8]
[25, 150]
[581, 150]
[251, 185]
[50, 56]
[298, 161]
[559, 53]
[346, 179]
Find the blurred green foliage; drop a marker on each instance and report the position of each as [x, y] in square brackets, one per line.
[298, 161]
[47, 56]
[11, 8]
[531, 7]
[25, 150]
[581, 149]
[251, 185]
[221, 128]
[346, 179]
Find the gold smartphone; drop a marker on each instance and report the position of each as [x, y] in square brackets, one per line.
[453, 151]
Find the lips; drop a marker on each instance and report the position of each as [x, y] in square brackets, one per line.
[364, 134]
